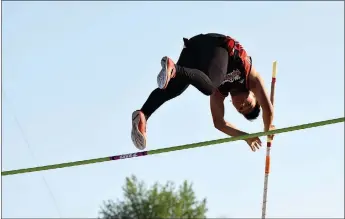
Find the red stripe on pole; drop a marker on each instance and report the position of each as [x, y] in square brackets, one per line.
[267, 166]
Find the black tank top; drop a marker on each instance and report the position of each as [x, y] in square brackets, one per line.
[235, 81]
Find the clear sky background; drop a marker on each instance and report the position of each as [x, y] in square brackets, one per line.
[73, 72]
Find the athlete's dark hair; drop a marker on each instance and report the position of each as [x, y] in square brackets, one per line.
[254, 113]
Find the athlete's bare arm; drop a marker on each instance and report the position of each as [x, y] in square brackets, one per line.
[217, 111]
[257, 86]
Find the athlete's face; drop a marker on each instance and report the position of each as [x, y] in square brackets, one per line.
[244, 102]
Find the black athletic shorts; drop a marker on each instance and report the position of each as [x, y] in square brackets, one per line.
[215, 55]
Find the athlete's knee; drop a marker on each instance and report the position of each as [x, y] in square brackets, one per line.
[207, 92]
[206, 89]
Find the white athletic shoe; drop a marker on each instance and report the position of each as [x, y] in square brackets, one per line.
[168, 71]
[138, 133]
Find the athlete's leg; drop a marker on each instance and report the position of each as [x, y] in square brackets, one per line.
[207, 71]
[187, 68]
[203, 63]
[214, 62]
[158, 96]
[186, 74]
[177, 85]
[212, 55]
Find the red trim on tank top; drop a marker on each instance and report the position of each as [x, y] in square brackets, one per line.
[242, 53]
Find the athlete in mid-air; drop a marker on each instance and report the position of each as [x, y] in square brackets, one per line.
[217, 65]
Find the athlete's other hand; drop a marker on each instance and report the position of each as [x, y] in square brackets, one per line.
[254, 143]
[272, 127]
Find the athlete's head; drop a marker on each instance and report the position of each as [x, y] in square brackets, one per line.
[246, 104]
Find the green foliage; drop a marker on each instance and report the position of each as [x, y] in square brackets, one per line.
[159, 201]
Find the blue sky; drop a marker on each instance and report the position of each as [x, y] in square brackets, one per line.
[73, 72]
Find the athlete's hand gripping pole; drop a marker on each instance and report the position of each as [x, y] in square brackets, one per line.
[269, 143]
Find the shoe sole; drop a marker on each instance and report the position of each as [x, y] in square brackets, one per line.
[138, 138]
[165, 73]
